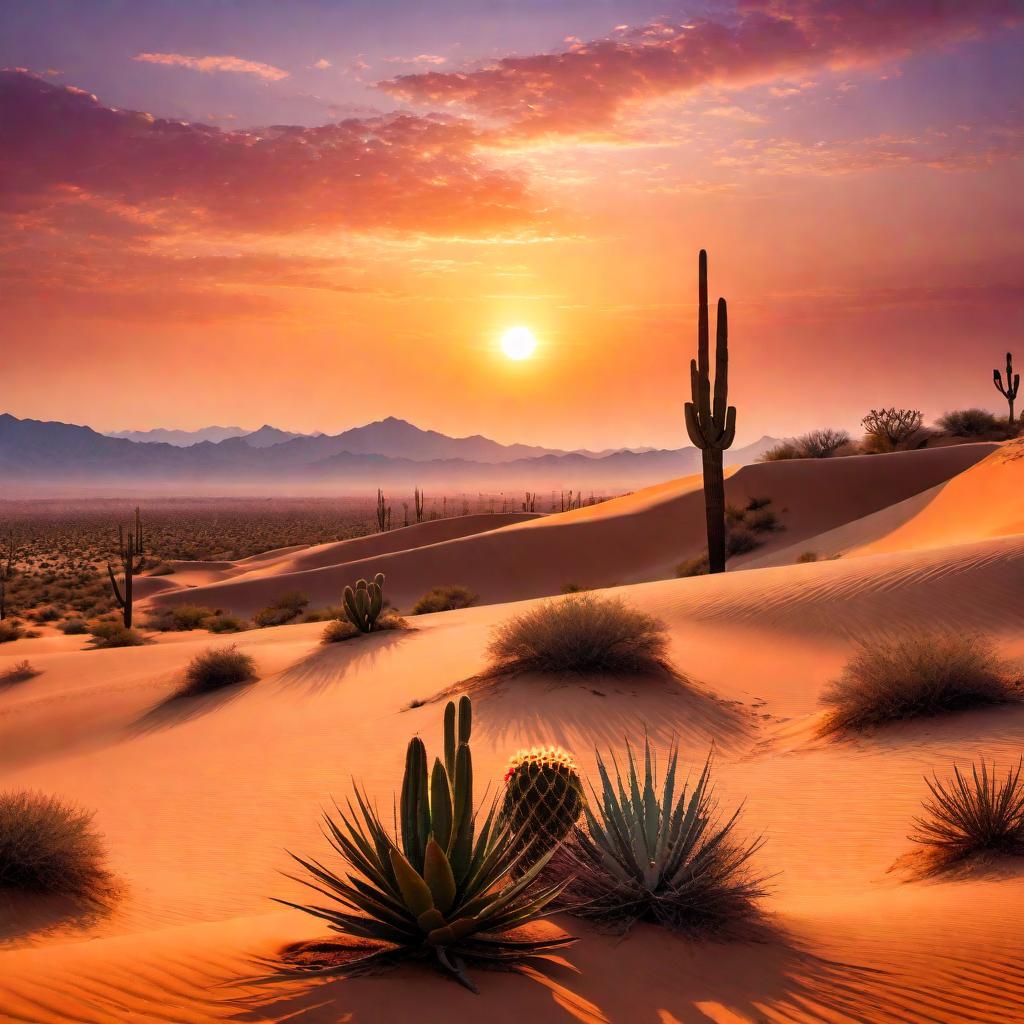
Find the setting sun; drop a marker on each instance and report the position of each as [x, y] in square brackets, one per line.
[518, 343]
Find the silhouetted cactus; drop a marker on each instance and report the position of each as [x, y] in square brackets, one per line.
[383, 513]
[364, 603]
[130, 553]
[1009, 392]
[418, 502]
[711, 427]
[543, 799]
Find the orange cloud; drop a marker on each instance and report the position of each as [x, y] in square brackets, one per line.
[224, 62]
[587, 86]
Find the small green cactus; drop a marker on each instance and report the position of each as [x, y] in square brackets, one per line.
[543, 799]
[363, 604]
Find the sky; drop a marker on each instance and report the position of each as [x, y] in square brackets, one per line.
[324, 212]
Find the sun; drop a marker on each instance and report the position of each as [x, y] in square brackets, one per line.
[518, 343]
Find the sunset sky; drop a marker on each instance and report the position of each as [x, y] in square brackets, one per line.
[316, 214]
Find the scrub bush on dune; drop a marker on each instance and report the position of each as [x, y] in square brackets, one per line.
[114, 634]
[580, 633]
[917, 675]
[287, 608]
[971, 814]
[444, 599]
[48, 846]
[216, 668]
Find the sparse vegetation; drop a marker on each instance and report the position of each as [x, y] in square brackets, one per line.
[339, 630]
[979, 814]
[287, 608]
[19, 672]
[440, 888]
[10, 630]
[444, 599]
[48, 846]
[693, 567]
[216, 668]
[654, 852]
[970, 423]
[917, 675]
[886, 430]
[107, 633]
[224, 623]
[180, 618]
[815, 444]
[74, 627]
[807, 556]
[580, 633]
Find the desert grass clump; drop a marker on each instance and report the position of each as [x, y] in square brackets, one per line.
[580, 633]
[917, 675]
[444, 599]
[806, 556]
[442, 884]
[181, 618]
[108, 633]
[48, 846]
[973, 815]
[287, 608]
[692, 567]
[339, 630]
[19, 672]
[225, 623]
[10, 631]
[660, 852]
[74, 626]
[216, 668]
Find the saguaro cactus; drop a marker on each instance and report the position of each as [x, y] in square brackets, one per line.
[1009, 392]
[383, 513]
[711, 427]
[130, 554]
[363, 604]
[418, 502]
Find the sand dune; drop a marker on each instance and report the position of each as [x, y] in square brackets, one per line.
[640, 536]
[209, 793]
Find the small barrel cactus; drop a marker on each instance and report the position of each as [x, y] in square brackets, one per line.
[543, 798]
[363, 604]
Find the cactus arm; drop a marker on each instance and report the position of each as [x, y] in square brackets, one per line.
[449, 739]
[721, 364]
[113, 583]
[441, 809]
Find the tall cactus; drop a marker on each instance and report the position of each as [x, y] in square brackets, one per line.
[130, 554]
[711, 427]
[1009, 392]
[383, 513]
[364, 603]
[418, 502]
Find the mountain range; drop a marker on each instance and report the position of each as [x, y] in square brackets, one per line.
[54, 457]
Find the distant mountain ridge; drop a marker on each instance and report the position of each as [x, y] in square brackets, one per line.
[36, 455]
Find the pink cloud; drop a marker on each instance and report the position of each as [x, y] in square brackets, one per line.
[218, 63]
[587, 86]
[397, 171]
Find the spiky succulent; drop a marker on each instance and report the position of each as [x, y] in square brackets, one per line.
[543, 798]
[665, 856]
[442, 887]
[364, 603]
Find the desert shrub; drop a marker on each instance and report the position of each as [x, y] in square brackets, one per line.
[574, 588]
[580, 633]
[761, 520]
[973, 815]
[444, 599]
[654, 851]
[106, 633]
[887, 429]
[822, 444]
[285, 609]
[162, 569]
[693, 567]
[49, 846]
[74, 627]
[739, 540]
[9, 631]
[216, 668]
[917, 675]
[325, 614]
[224, 623]
[180, 618]
[782, 451]
[18, 673]
[807, 556]
[970, 423]
[45, 614]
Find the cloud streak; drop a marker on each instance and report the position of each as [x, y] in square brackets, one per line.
[586, 87]
[223, 62]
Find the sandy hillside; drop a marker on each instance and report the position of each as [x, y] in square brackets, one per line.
[638, 537]
[199, 800]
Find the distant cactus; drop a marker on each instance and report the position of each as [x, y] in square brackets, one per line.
[711, 427]
[1009, 392]
[363, 604]
[131, 558]
[530, 504]
[418, 503]
[383, 513]
[543, 799]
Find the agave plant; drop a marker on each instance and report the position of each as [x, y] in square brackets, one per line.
[441, 887]
[976, 814]
[665, 856]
